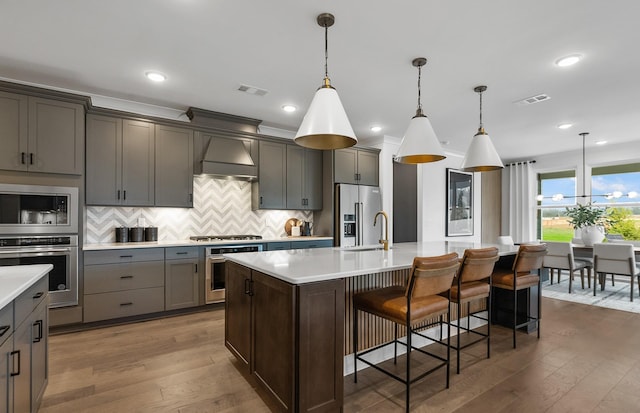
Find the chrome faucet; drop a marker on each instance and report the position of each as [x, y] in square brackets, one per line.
[385, 240]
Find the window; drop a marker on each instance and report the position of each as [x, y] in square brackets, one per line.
[618, 188]
[557, 190]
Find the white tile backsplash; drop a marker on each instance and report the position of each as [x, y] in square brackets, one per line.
[220, 207]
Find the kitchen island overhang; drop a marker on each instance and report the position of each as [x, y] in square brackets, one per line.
[287, 312]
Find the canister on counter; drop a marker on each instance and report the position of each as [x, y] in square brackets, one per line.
[122, 234]
[151, 234]
[136, 234]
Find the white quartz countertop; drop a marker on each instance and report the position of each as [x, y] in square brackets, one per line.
[322, 264]
[17, 279]
[189, 243]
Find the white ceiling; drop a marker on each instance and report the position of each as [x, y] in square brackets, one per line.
[207, 48]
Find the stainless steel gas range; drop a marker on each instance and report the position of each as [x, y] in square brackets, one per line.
[215, 272]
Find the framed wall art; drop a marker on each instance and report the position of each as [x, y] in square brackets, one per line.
[459, 203]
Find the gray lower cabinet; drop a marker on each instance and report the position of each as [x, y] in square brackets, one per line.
[304, 178]
[269, 192]
[356, 166]
[174, 167]
[181, 278]
[24, 368]
[122, 283]
[120, 161]
[275, 246]
[41, 135]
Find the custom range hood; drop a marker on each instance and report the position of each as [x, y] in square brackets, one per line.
[229, 153]
[229, 158]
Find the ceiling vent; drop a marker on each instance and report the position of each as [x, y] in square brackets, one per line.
[252, 90]
[533, 99]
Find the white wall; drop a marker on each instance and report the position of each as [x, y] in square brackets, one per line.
[432, 200]
[432, 196]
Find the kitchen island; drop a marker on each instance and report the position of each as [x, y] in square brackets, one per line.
[287, 313]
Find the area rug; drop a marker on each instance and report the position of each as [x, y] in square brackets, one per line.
[615, 297]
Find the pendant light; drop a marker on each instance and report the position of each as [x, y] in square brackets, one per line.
[481, 155]
[325, 125]
[419, 144]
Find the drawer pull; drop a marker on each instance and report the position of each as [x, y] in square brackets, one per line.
[38, 336]
[125, 304]
[38, 295]
[182, 253]
[13, 353]
[126, 256]
[123, 277]
[3, 330]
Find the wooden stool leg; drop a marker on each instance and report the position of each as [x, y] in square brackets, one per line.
[355, 345]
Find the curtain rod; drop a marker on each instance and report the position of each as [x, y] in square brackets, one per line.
[520, 163]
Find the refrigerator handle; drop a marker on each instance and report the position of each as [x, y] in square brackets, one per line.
[357, 209]
[360, 226]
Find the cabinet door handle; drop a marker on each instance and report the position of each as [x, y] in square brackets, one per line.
[38, 295]
[14, 353]
[260, 200]
[196, 271]
[251, 288]
[3, 330]
[125, 304]
[38, 336]
[126, 256]
[124, 277]
[31, 158]
[118, 194]
[190, 197]
[247, 286]
[22, 154]
[124, 195]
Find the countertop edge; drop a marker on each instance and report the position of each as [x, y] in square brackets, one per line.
[19, 278]
[188, 243]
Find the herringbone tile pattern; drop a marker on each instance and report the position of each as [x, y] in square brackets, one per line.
[219, 207]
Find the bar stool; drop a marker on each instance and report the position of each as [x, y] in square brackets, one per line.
[529, 258]
[473, 282]
[425, 297]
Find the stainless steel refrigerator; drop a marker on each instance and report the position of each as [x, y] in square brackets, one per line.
[356, 207]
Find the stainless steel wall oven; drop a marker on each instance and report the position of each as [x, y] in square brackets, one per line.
[39, 225]
[60, 251]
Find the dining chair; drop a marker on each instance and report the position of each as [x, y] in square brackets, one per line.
[425, 298]
[615, 259]
[472, 284]
[560, 257]
[505, 240]
[524, 274]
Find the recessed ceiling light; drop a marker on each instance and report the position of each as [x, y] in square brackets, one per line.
[376, 128]
[156, 76]
[568, 60]
[601, 142]
[565, 125]
[289, 108]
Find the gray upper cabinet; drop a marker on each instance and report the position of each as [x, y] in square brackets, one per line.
[304, 178]
[270, 190]
[41, 135]
[356, 166]
[174, 170]
[120, 161]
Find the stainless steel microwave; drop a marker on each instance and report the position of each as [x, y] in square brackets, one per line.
[32, 209]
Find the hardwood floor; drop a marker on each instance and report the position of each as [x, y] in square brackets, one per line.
[587, 360]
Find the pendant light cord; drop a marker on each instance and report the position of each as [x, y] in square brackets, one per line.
[419, 93]
[326, 51]
[584, 168]
[481, 126]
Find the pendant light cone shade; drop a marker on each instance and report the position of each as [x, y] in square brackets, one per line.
[419, 143]
[325, 125]
[481, 155]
